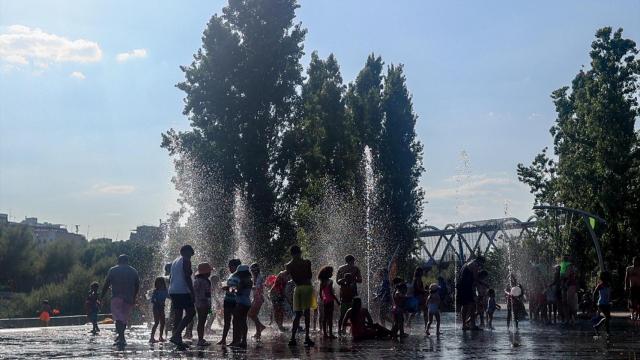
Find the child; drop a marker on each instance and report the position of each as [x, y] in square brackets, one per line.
[216, 305]
[602, 293]
[258, 299]
[348, 291]
[278, 298]
[158, 298]
[169, 324]
[229, 301]
[420, 295]
[383, 296]
[202, 301]
[481, 296]
[399, 299]
[328, 297]
[552, 304]
[92, 304]
[491, 307]
[433, 308]
[242, 289]
[45, 312]
[514, 296]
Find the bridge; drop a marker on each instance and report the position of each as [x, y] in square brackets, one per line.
[456, 241]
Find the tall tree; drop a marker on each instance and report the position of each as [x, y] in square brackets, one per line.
[593, 141]
[240, 91]
[320, 150]
[364, 103]
[399, 165]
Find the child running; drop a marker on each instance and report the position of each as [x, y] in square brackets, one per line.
[602, 294]
[92, 304]
[433, 308]
[158, 298]
[491, 307]
[202, 301]
[328, 297]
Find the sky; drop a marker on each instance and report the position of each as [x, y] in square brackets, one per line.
[87, 88]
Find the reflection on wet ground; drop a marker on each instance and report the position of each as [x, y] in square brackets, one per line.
[532, 341]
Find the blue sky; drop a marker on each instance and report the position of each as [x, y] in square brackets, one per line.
[81, 115]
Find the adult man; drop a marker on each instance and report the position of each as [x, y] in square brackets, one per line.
[466, 285]
[632, 283]
[300, 271]
[181, 293]
[125, 284]
[258, 298]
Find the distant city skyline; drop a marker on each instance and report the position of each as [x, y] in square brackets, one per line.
[86, 89]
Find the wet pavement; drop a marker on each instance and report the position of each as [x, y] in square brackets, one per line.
[532, 341]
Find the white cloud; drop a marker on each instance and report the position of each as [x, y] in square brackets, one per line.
[111, 189]
[469, 186]
[21, 45]
[463, 198]
[135, 53]
[77, 75]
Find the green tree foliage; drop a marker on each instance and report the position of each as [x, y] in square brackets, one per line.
[18, 258]
[364, 100]
[60, 271]
[399, 165]
[240, 93]
[593, 141]
[258, 129]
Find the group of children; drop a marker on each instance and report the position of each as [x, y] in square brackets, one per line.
[392, 298]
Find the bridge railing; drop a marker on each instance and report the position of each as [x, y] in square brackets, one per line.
[457, 241]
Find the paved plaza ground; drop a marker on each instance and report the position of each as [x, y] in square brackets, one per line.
[532, 341]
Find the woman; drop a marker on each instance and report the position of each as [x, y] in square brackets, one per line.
[362, 326]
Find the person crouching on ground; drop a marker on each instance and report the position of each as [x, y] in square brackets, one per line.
[362, 325]
[202, 300]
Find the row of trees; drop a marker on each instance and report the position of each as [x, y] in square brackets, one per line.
[261, 129]
[595, 164]
[59, 271]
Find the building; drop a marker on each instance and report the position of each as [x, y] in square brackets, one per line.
[44, 233]
[147, 235]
